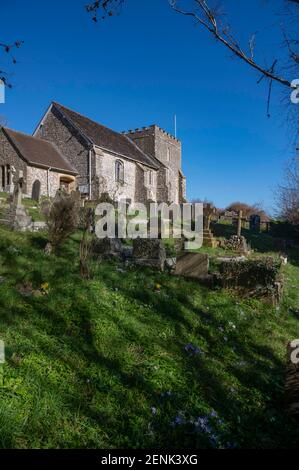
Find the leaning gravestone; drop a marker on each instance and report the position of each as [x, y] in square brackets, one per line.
[149, 252]
[192, 265]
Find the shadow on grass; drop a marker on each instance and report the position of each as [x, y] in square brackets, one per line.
[87, 331]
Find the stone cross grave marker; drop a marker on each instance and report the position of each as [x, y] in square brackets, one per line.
[18, 181]
[19, 219]
[239, 229]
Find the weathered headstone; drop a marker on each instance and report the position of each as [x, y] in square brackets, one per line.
[18, 216]
[36, 189]
[236, 243]
[192, 265]
[149, 252]
[108, 247]
[255, 223]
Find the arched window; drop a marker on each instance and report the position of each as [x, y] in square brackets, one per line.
[8, 174]
[119, 171]
[150, 177]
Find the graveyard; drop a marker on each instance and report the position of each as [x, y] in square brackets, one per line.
[155, 348]
[149, 231]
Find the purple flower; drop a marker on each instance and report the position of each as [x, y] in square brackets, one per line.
[193, 350]
[202, 424]
[178, 421]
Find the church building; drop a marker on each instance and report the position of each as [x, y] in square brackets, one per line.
[72, 151]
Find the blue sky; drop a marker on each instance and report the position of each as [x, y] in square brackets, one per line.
[145, 66]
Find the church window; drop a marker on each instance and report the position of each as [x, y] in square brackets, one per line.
[119, 171]
[7, 174]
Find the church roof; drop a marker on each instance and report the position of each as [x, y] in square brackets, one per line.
[37, 152]
[106, 138]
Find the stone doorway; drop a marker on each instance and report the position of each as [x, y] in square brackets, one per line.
[67, 183]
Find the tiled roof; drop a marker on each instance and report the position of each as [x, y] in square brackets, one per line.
[37, 152]
[106, 138]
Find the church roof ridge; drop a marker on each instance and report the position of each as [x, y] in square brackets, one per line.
[106, 138]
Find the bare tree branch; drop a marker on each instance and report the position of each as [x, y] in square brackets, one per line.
[105, 7]
[7, 48]
[204, 15]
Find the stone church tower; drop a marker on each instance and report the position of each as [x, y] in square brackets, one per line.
[164, 147]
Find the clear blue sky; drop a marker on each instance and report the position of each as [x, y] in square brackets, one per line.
[143, 67]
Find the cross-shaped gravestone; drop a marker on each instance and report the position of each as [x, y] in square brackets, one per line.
[18, 181]
[239, 230]
[19, 218]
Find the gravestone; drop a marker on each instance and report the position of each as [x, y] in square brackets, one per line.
[192, 265]
[149, 252]
[208, 239]
[255, 223]
[18, 216]
[236, 243]
[36, 187]
[108, 247]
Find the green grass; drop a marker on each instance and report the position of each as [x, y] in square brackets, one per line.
[32, 207]
[101, 363]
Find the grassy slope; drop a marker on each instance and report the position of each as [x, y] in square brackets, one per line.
[87, 362]
[30, 205]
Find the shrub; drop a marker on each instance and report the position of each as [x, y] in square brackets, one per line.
[62, 218]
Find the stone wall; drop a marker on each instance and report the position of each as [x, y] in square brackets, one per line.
[141, 191]
[162, 185]
[167, 185]
[38, 174]
[57, 130]
[9, 156]
[105, 172]
[167, 149]
[182, 188]
[146, 184]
